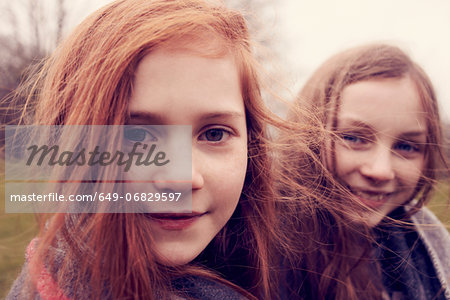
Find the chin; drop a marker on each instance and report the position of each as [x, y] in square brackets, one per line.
[173, 261]
[176, 256]
[375, 218]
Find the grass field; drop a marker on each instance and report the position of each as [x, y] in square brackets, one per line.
[440, 203]
[16, 231]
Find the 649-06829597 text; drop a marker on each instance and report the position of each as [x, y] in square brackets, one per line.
[112, 197]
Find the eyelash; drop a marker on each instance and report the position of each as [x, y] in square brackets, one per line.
[413, 147]
[353, 138]
[144, 135]
[356, 141]
[224, 134]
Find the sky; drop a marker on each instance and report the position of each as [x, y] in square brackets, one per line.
[313, 31]
[308, 32]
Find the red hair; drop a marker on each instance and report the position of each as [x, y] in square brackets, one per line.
[88, 81]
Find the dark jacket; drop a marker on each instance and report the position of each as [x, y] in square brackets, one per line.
[414, 257]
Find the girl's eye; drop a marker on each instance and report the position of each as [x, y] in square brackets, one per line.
[353, 139]
[214, 135]
[139, 135]
[407, 147]
[356, 141]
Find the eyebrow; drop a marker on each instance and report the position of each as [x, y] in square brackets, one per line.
[413, 134]
[354, 123]
[222, 114]
[361, 125]
[140, 117]
[145, 118]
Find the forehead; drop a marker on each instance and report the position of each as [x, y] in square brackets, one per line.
[203, 43]
[387, 103]
[180, 86]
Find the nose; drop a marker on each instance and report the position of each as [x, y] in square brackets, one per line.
[170, 176]
[171, 186]
[168, 185]
[197, 177]
[378, 166]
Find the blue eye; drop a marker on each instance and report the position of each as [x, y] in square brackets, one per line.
[407, 147]
[357, 141]
[138, 135]
[352, 138]
[214, 135]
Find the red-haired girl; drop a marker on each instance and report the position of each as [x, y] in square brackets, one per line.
[161, 62]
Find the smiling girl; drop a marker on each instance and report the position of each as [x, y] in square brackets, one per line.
[176, 62]
[381, 151]
[384, 148]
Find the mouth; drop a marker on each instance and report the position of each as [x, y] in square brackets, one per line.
[373, 199]
[175, 221]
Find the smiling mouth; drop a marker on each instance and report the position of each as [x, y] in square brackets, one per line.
[372, 199]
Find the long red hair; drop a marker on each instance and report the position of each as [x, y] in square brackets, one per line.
[88, 81]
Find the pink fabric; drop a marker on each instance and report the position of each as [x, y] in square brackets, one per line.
[46, 285]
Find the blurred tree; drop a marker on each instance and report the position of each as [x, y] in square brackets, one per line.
[30, 30]
[447, 144]
[262, 19]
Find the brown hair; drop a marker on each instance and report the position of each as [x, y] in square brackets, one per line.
[335, 262]
[323, 90]
[319, 258]
[88, 81]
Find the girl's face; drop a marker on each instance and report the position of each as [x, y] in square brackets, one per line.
[177, 87]
[380, 153]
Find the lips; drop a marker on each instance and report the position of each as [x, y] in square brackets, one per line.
[175, 221]
[373, 199]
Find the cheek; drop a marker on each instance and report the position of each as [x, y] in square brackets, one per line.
[410, 172]
[228, 176]
[346, 161]
[232, 173]
[227, 199]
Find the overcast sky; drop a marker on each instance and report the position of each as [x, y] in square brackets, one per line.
[311, 31]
